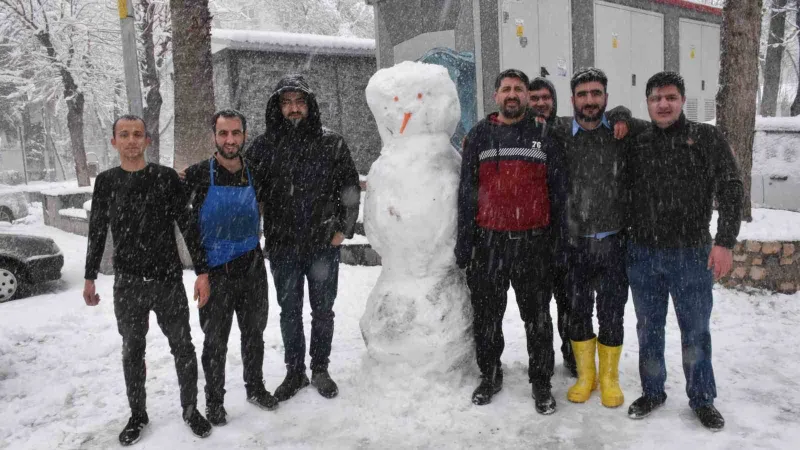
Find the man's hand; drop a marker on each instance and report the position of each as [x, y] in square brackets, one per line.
[89, 295]
[338, 238]
[202, 290]
[721, 260]
[620, 130]
[182, 175]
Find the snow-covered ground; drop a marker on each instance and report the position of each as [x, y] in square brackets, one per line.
[61, 383]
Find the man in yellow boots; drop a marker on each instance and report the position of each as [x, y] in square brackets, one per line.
[595, 247]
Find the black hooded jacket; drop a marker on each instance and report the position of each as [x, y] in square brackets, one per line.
[309, 181]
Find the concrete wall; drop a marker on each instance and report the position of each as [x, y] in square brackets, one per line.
[244, 80]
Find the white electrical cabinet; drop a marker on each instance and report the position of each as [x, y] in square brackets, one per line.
[629, 48]
[536, 37]
[699, 65]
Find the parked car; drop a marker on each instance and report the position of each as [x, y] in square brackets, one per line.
[13, 205]
[27, 260]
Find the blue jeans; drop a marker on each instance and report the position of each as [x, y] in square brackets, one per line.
[290, 270]
[654, 274]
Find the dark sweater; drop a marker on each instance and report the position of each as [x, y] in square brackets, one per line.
[142, 207]
[675, 176]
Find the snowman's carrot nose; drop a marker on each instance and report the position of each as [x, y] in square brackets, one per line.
[406, 118]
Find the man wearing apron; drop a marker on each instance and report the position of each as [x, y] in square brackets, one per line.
[224, 201]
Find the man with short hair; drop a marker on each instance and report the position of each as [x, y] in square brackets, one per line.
[671, 252]
[141, 202]
[311, 197]
[224, 196]
[509, 208]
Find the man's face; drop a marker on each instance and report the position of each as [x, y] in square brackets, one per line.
[229, 137]
[664, 104]
[589, 101]
[542, 102]
[294, 106]
[130, 139]
[511, 97]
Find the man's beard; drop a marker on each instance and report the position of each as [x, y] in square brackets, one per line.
[221, 151]
[544, 111]
[511, 113]
[593, 118]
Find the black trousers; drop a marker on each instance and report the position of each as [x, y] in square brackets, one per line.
[242, 290]
[522, 260]
[134, 298]
[563, 307]
[598, 266]
[290, 269]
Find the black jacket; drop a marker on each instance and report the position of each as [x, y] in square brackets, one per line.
[486, 135]
[675, 174]
[309, 183]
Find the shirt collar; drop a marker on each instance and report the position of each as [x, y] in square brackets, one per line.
[576, 127]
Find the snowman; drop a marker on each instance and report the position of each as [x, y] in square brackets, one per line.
[418, 315]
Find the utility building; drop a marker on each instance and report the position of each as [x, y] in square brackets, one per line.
[629, 39]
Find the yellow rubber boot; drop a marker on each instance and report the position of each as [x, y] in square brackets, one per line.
[610, 392]
[587, 376]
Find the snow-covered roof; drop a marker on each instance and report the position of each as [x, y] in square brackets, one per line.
[791, 124]
[291, 42]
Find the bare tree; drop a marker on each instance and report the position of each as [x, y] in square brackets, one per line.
[194, 86]
[155, 37]
[772, 65]
[736, 99]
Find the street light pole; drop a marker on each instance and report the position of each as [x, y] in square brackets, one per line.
[130, 59]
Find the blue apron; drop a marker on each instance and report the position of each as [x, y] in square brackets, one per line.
[229, 221]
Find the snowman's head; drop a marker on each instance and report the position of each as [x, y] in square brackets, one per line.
[413, 98]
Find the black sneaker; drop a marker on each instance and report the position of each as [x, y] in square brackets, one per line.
[543, 400]
[293, 382]
[710, 417]
[216, 414]
[133, 430]
[324, 384]
[643, 406]
[199, 425]
[263, 399]
[482, 395]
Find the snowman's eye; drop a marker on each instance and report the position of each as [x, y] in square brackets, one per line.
[419, 96]
[396, 99]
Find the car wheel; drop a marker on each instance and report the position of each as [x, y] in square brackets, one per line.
[5, 215]
[11, 286]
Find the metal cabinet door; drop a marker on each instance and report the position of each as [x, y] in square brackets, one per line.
[519, 36]
[709, 83]
[782, 192]
[647, 57]
[555, 49]
[691, 66]
[612, 46]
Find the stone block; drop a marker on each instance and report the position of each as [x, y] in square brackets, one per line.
[771, 248]
[786, 261]
[739, 272]
[757, 261]
[737, 248]
[787, 287]
[788, 249]
[757, 273]
[740, 257]
[753, 246]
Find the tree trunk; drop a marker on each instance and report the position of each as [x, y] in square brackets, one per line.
[194, 84]
[152, 84]
[795, 109]
[736, 99]
[75, 101]
[772, 66]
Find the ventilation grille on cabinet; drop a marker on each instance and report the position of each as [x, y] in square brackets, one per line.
[710, 110]
[691, 108]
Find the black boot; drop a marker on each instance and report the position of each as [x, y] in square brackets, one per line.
[569, 363]
[198, 424]
[710, 417]
[263, 399]
[133, 430]
[294, 381]
[543, 400]
[490, 385]
[324, 384]
[643, 406]
[216, 414]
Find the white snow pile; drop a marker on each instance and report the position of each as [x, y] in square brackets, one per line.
[78, 213]
[417, 323]
[291, 42]
[767, 225]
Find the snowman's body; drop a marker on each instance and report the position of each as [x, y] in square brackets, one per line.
[419, 312]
